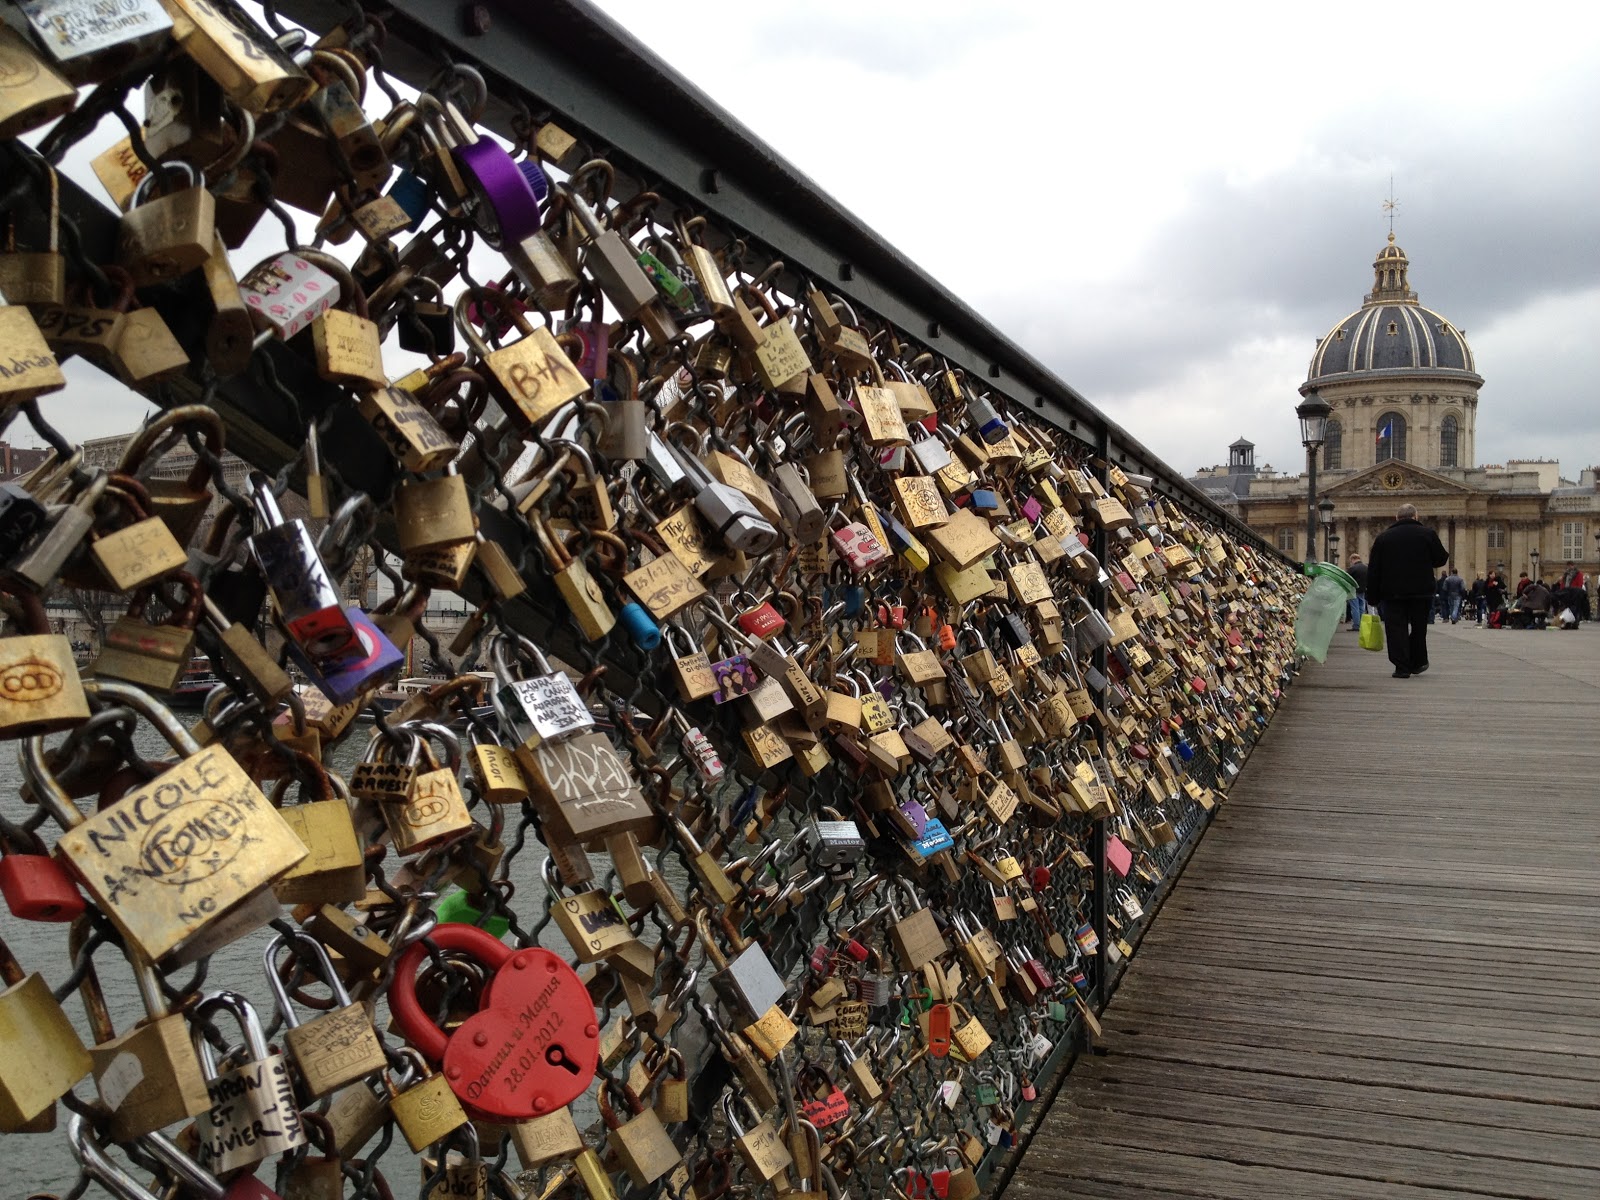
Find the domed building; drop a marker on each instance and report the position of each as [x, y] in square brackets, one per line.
[1402, 385]
[1400, 378]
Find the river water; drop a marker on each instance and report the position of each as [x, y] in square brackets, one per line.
[43, 1162]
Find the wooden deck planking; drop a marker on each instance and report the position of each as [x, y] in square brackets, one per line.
[1380, 975]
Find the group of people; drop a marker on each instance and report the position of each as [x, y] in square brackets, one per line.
[1398, 581]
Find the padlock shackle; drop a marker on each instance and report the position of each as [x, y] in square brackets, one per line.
[415, 1025]
[187, 1172]
[293, 942]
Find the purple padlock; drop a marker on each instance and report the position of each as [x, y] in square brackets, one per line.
[1032, 509]
[916, 816]
[502, 189]
[508, 192]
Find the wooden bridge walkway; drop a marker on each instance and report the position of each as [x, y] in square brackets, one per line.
[1380, 975]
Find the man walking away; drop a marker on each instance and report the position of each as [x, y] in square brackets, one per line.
[1478, 593]
[1455, 591]
[1400, 582]
[1358, 602]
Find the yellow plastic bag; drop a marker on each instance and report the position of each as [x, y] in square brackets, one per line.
[1371, 632]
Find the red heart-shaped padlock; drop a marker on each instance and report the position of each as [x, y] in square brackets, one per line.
[534, 1043]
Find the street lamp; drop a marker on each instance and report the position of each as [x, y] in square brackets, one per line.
[1533, 556]
[1325, 510]
[1333, 548]
[1313, 413]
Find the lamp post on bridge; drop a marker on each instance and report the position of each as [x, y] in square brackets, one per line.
[1325, 511]
[1313, 413]
[1333, 548]
[1533, 557]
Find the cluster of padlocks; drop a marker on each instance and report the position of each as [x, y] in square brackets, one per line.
[823, 727]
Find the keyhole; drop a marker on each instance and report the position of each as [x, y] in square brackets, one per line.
[556, 1056]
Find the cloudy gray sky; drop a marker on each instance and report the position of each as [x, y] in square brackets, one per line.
[1197, 189]
[1169, 203]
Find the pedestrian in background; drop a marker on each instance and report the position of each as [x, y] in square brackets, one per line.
[1400, 581]
[1358, 602]
[1478, 596]
[1455, 591]
[1494, 599]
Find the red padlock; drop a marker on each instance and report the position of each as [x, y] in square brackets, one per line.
[37, 888]
[762, 621]
[939, 1031]
[534, 1043]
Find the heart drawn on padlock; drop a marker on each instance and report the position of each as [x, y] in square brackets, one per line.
[534, 1043]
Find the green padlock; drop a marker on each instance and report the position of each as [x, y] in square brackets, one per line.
[457, 907]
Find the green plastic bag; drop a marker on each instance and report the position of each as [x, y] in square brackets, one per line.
[1371, 632]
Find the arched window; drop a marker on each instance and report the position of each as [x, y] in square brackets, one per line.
[1449, 439]
[1332, 446]
[1391, 436]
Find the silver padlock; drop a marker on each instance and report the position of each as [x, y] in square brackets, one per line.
[253, 1114]
[747, 984]
[932, 455]
[307, 601]
[798, 503]
[39, 567]
[89, 41]
[837, 842]
[541, 708]
[663, 464]
[612, 261]
[728, 510]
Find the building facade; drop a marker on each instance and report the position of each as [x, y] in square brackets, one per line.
[1402, 384]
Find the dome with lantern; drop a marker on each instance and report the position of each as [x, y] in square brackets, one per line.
[1391, 333]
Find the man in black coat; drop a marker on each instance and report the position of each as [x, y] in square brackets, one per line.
[1400, 579]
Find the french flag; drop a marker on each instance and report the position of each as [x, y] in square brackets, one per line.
[1387, 430]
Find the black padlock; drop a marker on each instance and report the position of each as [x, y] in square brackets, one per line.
[427, 326]
[1014, 631]
[21, 516]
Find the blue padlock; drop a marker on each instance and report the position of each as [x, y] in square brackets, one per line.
[410, 192]
[641, 626]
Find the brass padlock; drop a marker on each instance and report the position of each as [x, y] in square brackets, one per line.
[553, 1137]
[44, 1056]
[154, 656]
[137, 552]
[40, 689]
[531, 377]
[38, 276]
[334, 869]
[435, 809]
[915, 935]
[761, 1146]
[640, 1143]
[149, 1077]
[127, 859]
[590, 920]
[34, 92]
[169, 235]
[424, 1106]
[251, 68]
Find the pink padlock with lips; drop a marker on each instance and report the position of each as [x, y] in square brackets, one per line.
[534, 1043]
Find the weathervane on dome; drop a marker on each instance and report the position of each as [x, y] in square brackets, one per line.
[1390, 206]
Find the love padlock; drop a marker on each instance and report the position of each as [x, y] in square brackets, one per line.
[534, 1043]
